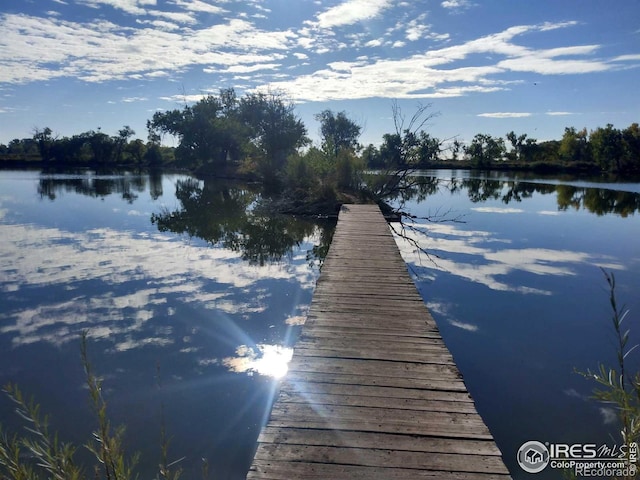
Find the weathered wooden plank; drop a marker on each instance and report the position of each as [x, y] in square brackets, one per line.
[449, 430]
[389, 393]
[382, 381]
[315, 330]
[347, 399]
[284, 470]
[408, 370]
[415, 344]
[380, 419]
[385, 458]
[412, 443]
[372, 392]
[363, 353]
[405, 339]
[373, 319]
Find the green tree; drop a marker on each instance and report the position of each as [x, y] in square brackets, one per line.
[456, 147]
[338, 132]
[203, 131]
[631, 144]
[275, 132]
[391, 150]
[574, 146]
[121, 141]
[428, 149]
[371, 156]
[136, 150]
[45, 141]
[521, 147]
[485, 150]
[103, 147]
[607, 148]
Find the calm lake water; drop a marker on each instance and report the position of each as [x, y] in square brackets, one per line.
[520, 299]
[165, 272]
[197, 281]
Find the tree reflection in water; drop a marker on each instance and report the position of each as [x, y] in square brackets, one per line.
[237, 217]
[600, 201]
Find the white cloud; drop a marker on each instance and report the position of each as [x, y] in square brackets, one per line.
[103, 51]
[199, 6]
[537, 63]
[252, 68]
[134, 99]
[178, 17]
[504, 115]
[351, 11]
[416, 28]
[627, 58]
[376, 42]
[169, 43]
[558, 114]
[160, 24]
[456, 4]
[134, 7]
[422, 75]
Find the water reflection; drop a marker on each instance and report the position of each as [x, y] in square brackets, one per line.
[120, 282]
[270, 360]
[474, 256]
[101, 184]
[234, 217]
[517, 294]
[219, 311]
[600, 201]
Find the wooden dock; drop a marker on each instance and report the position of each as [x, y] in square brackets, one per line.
[372, 391]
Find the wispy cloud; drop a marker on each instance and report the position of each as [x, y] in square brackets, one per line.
[456, 5]
[163, 43]
[351, 11]
[558, 114]
[627, 58]
[35, 49]
[424, 76]
[504, 115]
[134, 99]
[134, 7]
[199, 6]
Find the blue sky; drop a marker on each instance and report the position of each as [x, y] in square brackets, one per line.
[486, 66]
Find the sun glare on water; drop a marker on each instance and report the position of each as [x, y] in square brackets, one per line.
[268, 360]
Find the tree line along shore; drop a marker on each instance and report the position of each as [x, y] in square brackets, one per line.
[259, 136]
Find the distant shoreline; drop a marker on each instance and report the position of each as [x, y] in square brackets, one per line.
[537, 167]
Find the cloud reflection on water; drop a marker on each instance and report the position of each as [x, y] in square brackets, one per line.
[443, 310]
[467, 254]
[154, 265]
